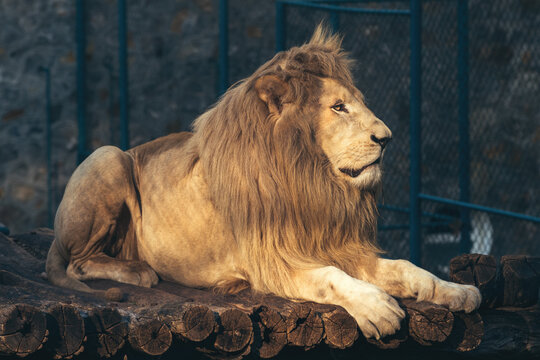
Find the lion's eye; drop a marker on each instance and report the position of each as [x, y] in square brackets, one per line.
[340, 107]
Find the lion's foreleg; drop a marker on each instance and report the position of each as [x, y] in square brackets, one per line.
[376, 312]
[400, 278]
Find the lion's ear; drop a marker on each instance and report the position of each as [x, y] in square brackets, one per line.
[271, 90]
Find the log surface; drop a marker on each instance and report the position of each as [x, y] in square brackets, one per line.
[171, 320]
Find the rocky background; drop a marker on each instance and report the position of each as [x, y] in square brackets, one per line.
[173, 49]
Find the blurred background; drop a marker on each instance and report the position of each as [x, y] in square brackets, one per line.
[77, 75]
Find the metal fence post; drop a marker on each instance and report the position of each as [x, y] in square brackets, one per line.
[48, 152]
[334, 21]
[415, 131]
[80, 35]
[463, 114]
[123, 75]
[223, 46]
[280, 26]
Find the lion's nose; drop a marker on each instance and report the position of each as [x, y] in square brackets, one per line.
[381, 141]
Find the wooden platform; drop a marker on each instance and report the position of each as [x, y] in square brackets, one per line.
[42, 321]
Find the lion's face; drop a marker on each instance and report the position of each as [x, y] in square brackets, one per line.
[351, 136]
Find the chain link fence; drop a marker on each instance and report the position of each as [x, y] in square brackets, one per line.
[173, 64]
[504, 117]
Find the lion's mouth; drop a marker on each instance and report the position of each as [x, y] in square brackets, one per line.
[355, 172]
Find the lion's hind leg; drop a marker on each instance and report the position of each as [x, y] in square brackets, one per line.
[96, 222]
[101, 266]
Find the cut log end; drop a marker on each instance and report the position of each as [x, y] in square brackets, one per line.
[196, 323]
[520, 281]
[150, 337]
[23, 330]
[235, 331]
[304, 326]
[340, 328]
[480, 271]
[106, 332]
[271, 332]
[468, 331]
[428, 323]
[67, 331]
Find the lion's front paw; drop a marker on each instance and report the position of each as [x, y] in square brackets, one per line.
[378, 315]
[457, 297]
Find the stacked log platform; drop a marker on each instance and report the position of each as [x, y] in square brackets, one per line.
[41, 321]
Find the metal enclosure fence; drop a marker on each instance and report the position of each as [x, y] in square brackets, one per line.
[468, 137]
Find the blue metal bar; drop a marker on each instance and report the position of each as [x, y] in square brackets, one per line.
[480, 208]
[223, 46]
[107, 63]
[334, 21]
[280, 26]
[80, 35]
[415, 131]
[407, 210]
[368, 1]
[48, 134]
[407, 226]
[463, 115]
[123, 80]
[357, 1]
[392, 227]
[347, 9]
[394, 208]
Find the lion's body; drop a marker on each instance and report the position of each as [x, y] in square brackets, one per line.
[275, 189]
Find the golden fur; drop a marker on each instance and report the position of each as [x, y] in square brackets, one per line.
[275, 189]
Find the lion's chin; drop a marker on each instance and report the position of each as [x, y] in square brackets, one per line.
[368, 177]
[354, 173]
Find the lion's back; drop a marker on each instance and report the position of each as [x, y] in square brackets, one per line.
[144, 153]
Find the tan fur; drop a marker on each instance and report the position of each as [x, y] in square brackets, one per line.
[261, 194]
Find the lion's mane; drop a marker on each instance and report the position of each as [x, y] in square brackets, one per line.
[272, 182]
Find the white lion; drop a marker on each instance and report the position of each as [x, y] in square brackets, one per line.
[274, 190]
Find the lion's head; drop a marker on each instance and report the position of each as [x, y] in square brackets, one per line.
[292, 156]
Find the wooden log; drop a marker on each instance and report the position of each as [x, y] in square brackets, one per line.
[341, 330]
[23, 330]
[106, 332]
[235, 331]
[9, 279]
[149, 336]
[195, 323]
[480, 271]
[67, 332]
[393, 341]
[534, 263]
[428, 323]
[16, 260]
[467, 332]
[304, 325]
[36, 242]
[510, 333]
[270, 335]
[520, 281]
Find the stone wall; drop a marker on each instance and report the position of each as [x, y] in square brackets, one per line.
[173, 49]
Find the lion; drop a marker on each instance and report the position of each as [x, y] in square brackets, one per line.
[274, 190]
